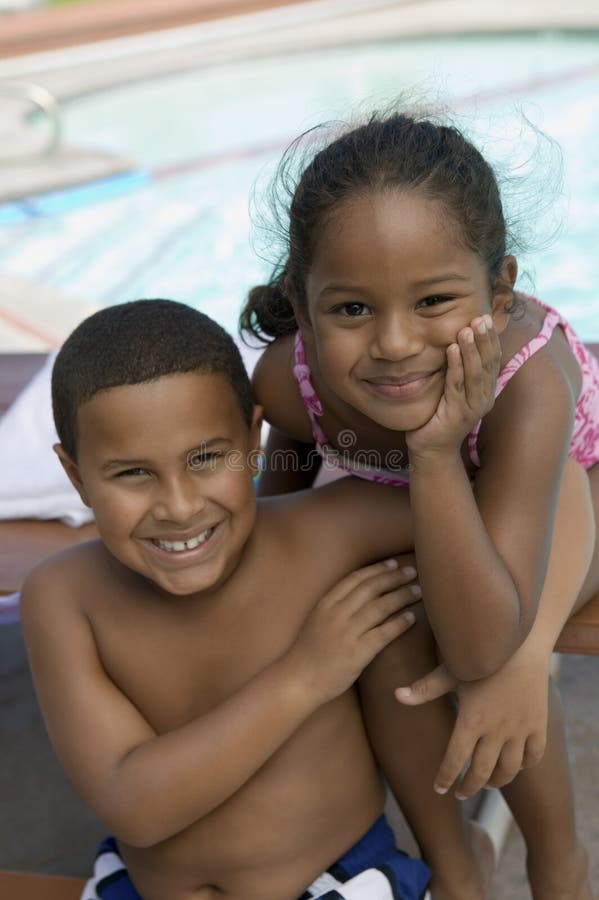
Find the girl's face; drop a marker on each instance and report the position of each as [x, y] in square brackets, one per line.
[390, 286]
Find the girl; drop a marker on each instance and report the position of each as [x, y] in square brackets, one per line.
[403, 354]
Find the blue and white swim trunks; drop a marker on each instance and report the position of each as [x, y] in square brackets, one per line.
[373, 869]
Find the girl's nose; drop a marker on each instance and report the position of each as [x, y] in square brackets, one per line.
[395, 339]
[179, 500]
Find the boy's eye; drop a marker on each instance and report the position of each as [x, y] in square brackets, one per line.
[200, 459]
[351, 310]
[135, 472]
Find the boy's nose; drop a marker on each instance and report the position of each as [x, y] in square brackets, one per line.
[179, 500]
[395, 338]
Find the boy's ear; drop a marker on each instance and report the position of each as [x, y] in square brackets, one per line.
[503, 293]
[72, 470]
[299, 309]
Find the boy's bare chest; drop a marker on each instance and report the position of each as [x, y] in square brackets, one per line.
[176, 666]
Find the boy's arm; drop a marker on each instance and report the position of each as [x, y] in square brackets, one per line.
[147, 786]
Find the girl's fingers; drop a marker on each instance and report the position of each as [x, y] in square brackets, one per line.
[489, 348]
[454, 379]
[430, 687]
[482, 766]
[534, 750]
[459, 751]
[481, 353]
[473, 369]
[508, 765]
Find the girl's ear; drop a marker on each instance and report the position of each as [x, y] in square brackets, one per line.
[72, 470]
[503, 293]
[299, 309]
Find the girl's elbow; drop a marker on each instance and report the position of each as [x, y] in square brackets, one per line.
[478, 669]
[486, 658]
[473, 669]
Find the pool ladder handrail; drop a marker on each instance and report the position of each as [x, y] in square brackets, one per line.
[45, 101]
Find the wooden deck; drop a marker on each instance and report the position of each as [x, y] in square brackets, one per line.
[25, 886]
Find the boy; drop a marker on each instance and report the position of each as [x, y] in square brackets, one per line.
[195, 666]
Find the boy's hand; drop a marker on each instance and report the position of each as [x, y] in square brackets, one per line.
[350, 625]
[501, 726]
[472, 368]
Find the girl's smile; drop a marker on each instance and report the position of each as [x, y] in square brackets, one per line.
[406, 386]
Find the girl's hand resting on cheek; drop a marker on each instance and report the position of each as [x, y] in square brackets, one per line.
[472, 368]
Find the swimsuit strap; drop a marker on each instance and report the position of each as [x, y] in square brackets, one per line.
[301, 371]
[540, 340]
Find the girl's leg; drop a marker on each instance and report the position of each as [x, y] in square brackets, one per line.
[591, 584]
[542, 802]
[409, 743]
[541, 798]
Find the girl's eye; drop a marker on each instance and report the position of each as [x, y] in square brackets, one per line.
[435, 300]
[352, 310]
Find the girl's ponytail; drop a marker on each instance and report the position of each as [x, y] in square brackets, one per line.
[267, 313]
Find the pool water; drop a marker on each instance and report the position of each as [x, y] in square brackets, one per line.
[180, 228]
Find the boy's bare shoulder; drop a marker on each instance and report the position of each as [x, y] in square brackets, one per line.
[276, 390]
[349, 522]
[66, 579]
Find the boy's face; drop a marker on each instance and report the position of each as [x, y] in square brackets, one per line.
[164, 465]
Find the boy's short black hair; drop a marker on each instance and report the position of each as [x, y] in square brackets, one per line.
[137, 342]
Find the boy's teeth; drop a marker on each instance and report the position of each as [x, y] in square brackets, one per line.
[193, 542]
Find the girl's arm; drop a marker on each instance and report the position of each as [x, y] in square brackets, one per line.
[482, 551]
[291, 462]
[502, 719]
[289, 465]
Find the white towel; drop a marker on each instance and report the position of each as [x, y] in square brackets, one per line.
[33, 484]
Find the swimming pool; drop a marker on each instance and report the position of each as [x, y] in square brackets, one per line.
[178, 226]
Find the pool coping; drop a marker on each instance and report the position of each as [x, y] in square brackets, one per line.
[282, 29]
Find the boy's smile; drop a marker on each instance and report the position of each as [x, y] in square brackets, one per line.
[164, 466]
[390, 286]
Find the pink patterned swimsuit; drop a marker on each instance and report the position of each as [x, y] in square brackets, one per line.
[584, 444]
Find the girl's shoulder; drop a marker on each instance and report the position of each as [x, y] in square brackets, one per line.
[276, 389]
[536, 390]
[535, 343]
